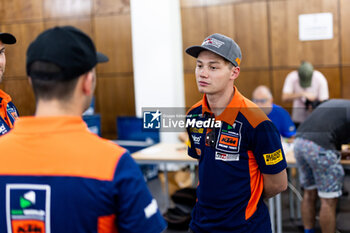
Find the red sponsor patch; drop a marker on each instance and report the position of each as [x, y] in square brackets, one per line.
[28, 226]
[228, 140]
[199, 152]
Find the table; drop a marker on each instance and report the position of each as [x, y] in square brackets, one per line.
[164, 153]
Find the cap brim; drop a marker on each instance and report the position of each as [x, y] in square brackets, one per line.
[101, 57]
[7, 38]
[194, 51]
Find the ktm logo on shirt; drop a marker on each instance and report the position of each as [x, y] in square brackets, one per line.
[228, 140]
[28, 226]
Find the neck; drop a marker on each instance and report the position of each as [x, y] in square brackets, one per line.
[57, 108]
[219, 101]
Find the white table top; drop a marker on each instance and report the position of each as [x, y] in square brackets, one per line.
[177, 152]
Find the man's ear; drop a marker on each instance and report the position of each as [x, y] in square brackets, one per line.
[88, 83]
[235, 72]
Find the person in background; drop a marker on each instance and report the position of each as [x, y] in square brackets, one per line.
[8, 111]
[241, 160]
[316, 149]
[279, 116]
[307, 88]
[60, 177]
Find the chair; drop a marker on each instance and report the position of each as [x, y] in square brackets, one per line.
[132, 137]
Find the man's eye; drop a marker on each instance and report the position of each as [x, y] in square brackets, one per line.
[213, 67]
[199, 66]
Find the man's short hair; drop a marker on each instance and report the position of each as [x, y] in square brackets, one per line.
[49, 82]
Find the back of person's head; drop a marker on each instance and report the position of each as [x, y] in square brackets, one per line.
[57, 58]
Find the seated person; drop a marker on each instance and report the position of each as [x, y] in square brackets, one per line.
[279, 116]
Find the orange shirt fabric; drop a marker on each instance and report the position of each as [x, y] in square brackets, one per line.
[59, 177]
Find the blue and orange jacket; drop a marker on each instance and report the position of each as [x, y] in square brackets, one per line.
[56, 176]
[232, 158]
[8, 113]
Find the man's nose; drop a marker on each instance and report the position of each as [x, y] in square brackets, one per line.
[203, 72]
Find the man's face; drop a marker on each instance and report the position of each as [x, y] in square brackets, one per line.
[2, 60]
[263, 100]
[213, 74]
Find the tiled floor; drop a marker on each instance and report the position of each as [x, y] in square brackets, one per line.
[289, 225]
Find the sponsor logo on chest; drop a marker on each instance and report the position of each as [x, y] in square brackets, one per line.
[3, 129]
[226, 157]
[196, 139]
[229, 138]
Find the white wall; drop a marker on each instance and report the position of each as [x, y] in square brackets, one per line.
[157, 56]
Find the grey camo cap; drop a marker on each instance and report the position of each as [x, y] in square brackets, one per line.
[221, 45]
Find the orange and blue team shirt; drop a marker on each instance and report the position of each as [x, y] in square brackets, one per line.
[56, 176]
[8, 113]
[232, 158]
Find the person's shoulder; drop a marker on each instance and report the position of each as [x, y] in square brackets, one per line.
[292, 75]
[252, 113]
[318, 75]
[279, 109]
[106, 145]
[195, 108]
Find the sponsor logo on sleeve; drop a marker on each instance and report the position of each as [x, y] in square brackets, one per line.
[226, 157]
[273, 158]
[28, 208]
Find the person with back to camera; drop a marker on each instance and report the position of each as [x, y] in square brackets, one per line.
[318, 140]
[8, 111]
[241, 160]
[307, 88]
[279, 116]
[60, 177]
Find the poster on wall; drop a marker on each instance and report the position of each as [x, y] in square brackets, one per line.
[316, 26]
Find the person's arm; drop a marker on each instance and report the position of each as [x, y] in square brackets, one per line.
[275, 183]
[135, 208]
[270, 158]
[323, 92]
[292, 96]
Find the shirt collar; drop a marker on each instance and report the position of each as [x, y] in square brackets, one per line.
[231, 111]
[52, 124]
[5, 96]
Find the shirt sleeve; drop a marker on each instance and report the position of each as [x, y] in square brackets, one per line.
[136, 209]
[287, 127]
[288, 86]
[267, 148]
[323, 91]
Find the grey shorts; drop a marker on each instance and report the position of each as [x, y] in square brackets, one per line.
[319, 168]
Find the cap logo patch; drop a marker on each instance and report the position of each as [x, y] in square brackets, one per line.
[213, 42]
[238, 61]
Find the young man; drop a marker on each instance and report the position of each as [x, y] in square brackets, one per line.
[8, 111]
[279, 116]
[240, 162]
[59, 177]
[318, 140]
